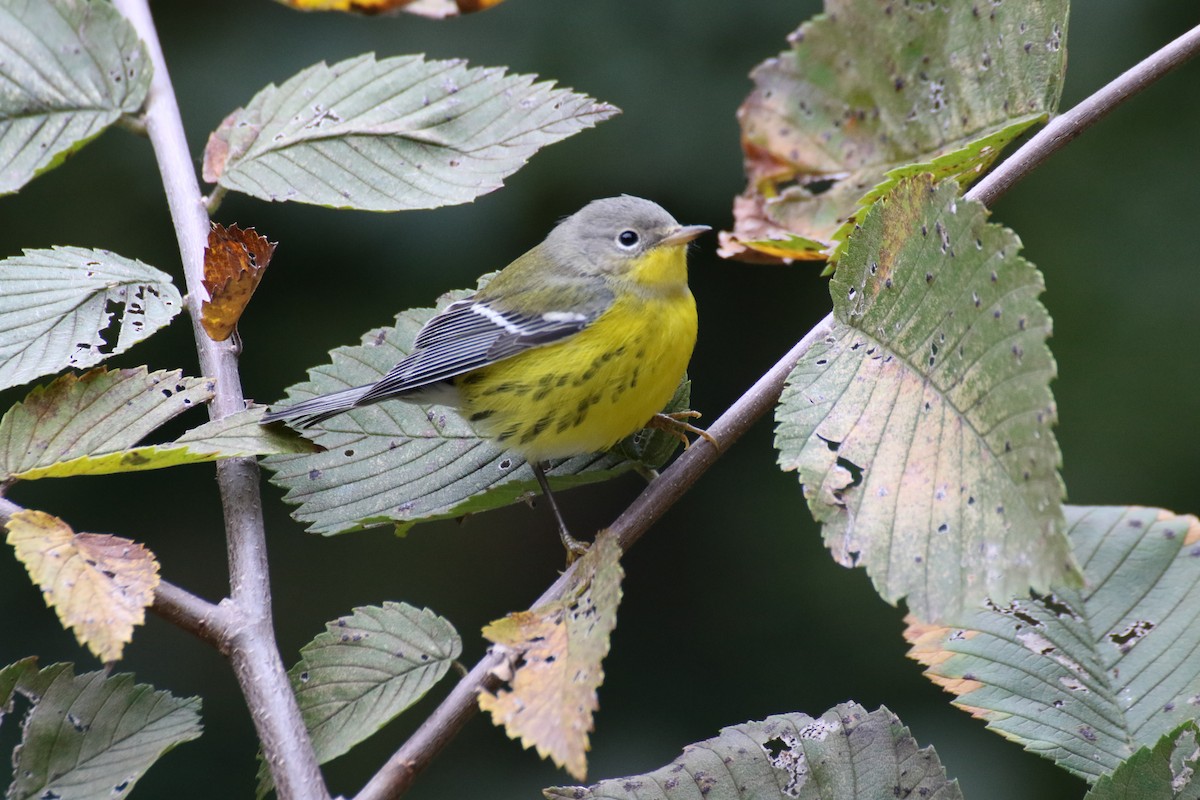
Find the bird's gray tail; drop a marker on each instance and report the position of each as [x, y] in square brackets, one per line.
[318, 409]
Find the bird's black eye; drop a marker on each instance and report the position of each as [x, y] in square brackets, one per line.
[627, 238]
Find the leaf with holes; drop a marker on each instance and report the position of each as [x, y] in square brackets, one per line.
[1085, 676]
[1166, 772]
[99, 585]
[869, 90]
[91, 735]
[365, 670]
[846, 752]
[560, 647]
[71, 68]
[234, 262]
[86, 424]
[920, 425]
[390, 135]
[68, 307]
[401, 463]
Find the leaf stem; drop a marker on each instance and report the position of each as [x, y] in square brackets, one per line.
[251, 641]
[397, 774]
[1066, 127]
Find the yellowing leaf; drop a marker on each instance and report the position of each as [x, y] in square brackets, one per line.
[60, 429]
[437, 9]
[561, 646]
[98, 584]
[234, 262]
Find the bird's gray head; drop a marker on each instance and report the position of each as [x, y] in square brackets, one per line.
[612, 232]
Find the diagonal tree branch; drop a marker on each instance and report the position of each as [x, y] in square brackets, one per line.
[1066, 127]
[251, 644]
[397, 774]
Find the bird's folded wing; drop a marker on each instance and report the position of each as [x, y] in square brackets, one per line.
[472, 333]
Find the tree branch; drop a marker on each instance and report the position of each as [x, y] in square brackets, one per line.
[251, 645]
[1066, 127]
[397, 774]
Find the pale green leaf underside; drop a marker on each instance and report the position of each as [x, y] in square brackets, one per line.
[69, 307]
[365, 670]
[823, 126]
[845, 753]
[920, 425]
[1165, 772]
[56, 428]
[393, 134]
[401, 463]
[70, 69]
[238, 435]
[1086, 677]
[91, 736]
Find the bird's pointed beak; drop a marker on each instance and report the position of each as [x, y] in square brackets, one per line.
[683, 234]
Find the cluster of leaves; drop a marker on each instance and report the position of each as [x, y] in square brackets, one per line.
[387, 134]
[920, 424]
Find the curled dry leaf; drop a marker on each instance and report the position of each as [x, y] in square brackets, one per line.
[944, 89]
[561, 646]
[437, 9]
[234, 262]
[98, 584]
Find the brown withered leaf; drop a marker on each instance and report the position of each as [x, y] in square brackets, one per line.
[871, 92]
[561, 646]
[436, 9]
[234, 262]
[98, 584]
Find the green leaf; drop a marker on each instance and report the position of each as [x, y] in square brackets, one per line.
[397, 462]
[398, 133]
[1168, 772]
[364, 671]
[946, 86]
[10, 676]
[920, 426]
[89, 736]
[61, 308]
[559, 649]
[71, 68]
[80, 425]
[1085, 677]
[845, 753]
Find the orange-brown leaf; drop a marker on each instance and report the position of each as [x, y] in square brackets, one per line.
[437, 9]
[98, 584]
[234, 262]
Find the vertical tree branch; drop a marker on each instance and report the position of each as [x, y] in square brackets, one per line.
[252, 649]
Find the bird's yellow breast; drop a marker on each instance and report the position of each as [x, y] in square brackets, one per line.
[586, 393]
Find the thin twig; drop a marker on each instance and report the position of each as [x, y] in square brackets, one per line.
[252, 649]
[206, 621]
[1066, 127]
[397, 774]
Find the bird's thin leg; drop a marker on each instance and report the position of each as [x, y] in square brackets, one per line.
[574, 546]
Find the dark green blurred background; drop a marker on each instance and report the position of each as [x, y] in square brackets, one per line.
[733, 609]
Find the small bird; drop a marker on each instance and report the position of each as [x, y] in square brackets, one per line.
[575, 345]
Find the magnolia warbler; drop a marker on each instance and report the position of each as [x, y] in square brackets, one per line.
[577, 344]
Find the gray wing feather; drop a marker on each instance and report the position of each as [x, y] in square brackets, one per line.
[470, 334]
